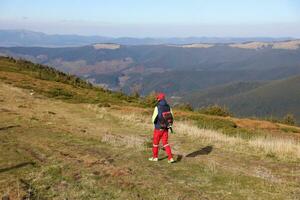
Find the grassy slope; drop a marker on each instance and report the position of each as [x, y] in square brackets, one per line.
[54, 148]
[56, 84]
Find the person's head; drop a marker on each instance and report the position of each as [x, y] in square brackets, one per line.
[160, 96]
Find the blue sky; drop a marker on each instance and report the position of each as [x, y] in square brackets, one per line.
[155, 18]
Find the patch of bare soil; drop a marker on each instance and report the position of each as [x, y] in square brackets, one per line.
[273, 129]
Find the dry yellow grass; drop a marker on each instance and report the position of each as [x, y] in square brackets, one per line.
[283, 148]
[187, 128]
[278, 146]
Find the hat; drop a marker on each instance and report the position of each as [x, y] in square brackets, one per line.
[160, 96]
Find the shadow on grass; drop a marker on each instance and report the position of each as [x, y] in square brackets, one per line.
[178, 159]
[163, 158]
[17, 166]
[203, 151]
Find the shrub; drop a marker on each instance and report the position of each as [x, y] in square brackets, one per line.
[150, 99]
[289, 119]
[215, 110]
[60, 93]
[135, 94]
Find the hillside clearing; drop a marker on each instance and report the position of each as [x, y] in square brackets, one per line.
[54, 150]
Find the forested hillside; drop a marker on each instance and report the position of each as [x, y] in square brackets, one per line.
[273, 99]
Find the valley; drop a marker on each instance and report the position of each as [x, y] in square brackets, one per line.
[189, 73]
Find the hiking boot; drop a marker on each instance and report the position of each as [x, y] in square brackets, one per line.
[171, 160]
[153, 159]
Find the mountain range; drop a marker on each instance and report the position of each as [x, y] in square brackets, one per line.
[33, 38]
[248, 77]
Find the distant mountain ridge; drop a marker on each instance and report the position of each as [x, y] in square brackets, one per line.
[28, 38]
[172, 69]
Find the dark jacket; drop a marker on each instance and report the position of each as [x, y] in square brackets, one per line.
[162, 106]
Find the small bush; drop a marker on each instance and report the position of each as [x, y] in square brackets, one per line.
[61, 93]
[150, 99]
[215, 110]
[289, 119]
[135, 94]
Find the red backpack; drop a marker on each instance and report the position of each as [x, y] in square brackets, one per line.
[166, 121]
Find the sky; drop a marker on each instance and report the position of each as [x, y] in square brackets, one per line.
[155, 18]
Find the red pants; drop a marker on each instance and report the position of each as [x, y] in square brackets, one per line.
[163, 135]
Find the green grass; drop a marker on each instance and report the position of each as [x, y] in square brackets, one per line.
[55, 84]
[41, 72]
[60, 93]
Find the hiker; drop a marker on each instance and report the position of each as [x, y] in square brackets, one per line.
[163, 119]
